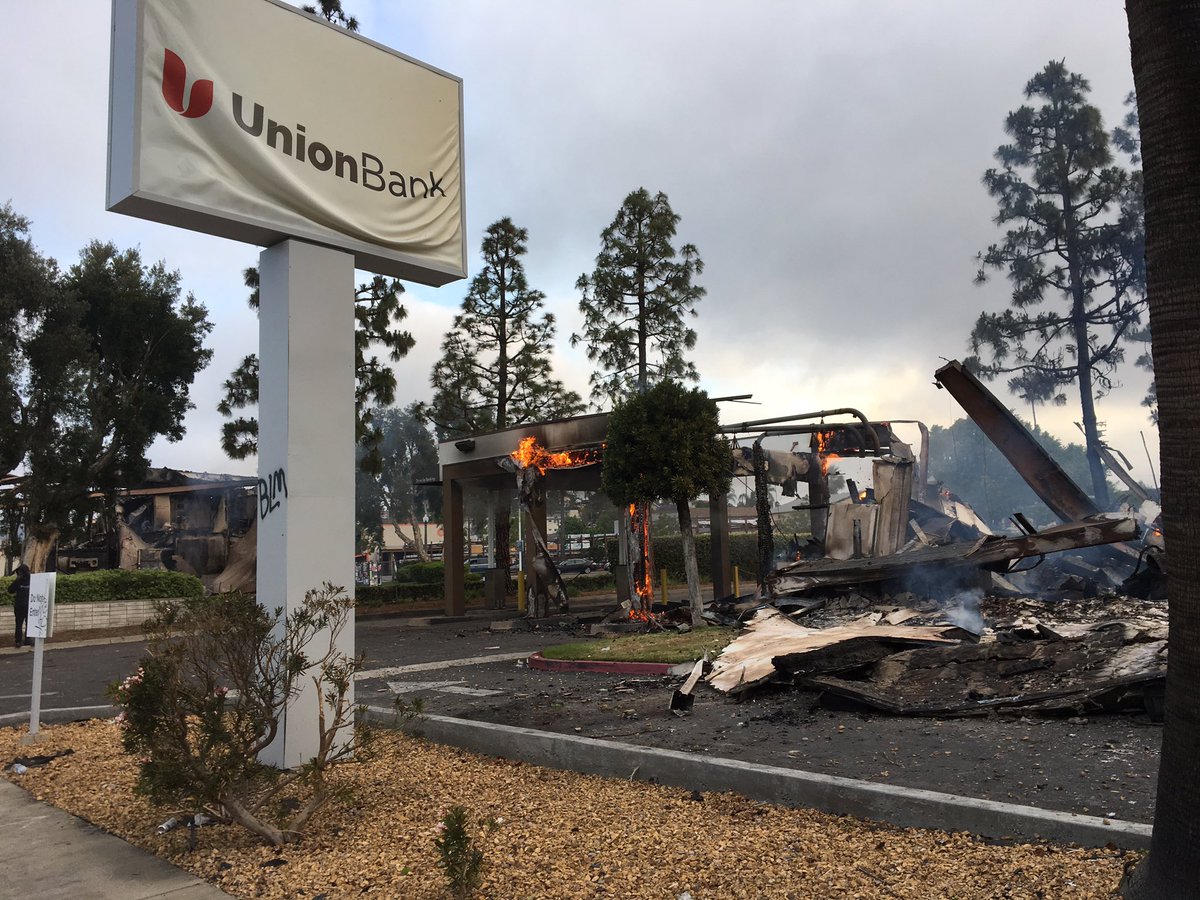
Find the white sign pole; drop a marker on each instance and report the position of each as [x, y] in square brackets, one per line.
[305, 452]
[35, 703]
[39, 626]
[213, 129]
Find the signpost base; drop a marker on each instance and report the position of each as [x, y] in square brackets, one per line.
[305, 453]
[35, 695]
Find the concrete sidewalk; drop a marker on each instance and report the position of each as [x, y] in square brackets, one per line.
[47, 853]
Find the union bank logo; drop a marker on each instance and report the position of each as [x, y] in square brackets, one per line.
[174, 81]
[360, 167]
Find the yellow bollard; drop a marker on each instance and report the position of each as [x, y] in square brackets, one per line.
[521, 591]
[737, 583]
[665, 594]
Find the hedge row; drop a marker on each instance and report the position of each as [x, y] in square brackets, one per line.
[421, 573]
[582, 584]
[116, 584]
[668, 554]
[426, 584]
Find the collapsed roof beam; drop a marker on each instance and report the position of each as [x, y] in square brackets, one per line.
[1039, 469]
[756, 424]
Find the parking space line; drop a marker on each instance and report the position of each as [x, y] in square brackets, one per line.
[440, 664]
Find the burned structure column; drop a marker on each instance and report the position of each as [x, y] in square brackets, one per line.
[452, 547]
[818, 500]
[718, 535]
[766, 530]
[517, 457]
[540, 577]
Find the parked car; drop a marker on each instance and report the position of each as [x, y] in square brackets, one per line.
[579, 564]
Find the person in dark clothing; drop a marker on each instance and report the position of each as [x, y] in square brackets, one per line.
[20, 591]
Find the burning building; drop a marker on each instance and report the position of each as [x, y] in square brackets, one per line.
[531, 460]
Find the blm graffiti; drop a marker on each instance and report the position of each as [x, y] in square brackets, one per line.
[272, 491]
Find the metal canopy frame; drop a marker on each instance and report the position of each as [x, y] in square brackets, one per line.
[475, 461]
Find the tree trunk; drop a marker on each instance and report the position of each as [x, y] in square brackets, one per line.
[40, 541]
[1087, 406]
[238, 813]
[1165, 40]
[502, 356]
[690, 567]
[417, 544]
[643, 382]
[1083, 350]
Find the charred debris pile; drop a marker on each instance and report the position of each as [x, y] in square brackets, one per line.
[905, 602]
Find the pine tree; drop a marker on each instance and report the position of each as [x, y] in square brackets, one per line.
[378, 313]
[331, 11]
[1074, 234]
[494, 372]
[636, 302]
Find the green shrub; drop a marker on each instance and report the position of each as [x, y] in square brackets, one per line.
[458, 853]
[411, 591]
[581, 584]
[109, 585]
[668, 554]
[421, 573]
[209, 697]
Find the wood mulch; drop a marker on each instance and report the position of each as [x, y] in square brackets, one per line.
[559, 835]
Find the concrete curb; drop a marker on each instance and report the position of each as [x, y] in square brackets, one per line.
[909, 807]
[537, 661]
[64, 644]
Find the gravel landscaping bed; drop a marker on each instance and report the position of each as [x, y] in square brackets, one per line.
[559, 835]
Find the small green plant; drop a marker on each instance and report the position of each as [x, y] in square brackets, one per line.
[458, 855]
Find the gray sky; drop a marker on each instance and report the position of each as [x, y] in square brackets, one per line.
[825, 157]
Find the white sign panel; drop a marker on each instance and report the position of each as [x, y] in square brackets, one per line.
[41, 605]
[251, 120]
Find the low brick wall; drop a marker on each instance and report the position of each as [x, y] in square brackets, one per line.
[86, 616]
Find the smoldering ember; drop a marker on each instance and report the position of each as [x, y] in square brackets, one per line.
[902, 600]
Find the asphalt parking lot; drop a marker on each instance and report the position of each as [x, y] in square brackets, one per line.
[1100, 765]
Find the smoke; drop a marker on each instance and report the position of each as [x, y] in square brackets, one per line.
[963, 610]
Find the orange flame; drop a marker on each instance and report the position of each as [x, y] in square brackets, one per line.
[644, 586]
[823, 439]
[530, 454]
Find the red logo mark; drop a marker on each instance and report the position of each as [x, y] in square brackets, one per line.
[174, 79]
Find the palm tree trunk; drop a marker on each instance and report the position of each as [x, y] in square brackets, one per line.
[1165, 40]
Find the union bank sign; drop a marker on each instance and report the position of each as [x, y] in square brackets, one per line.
[251, 120]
